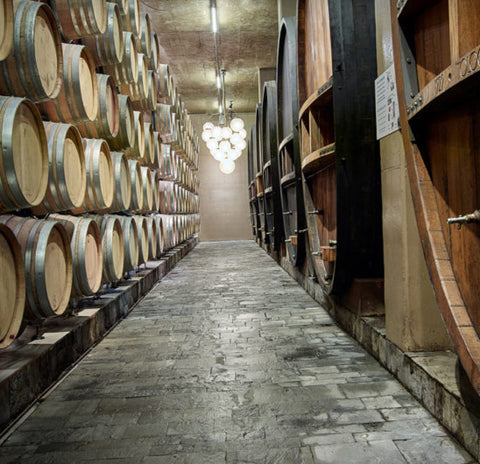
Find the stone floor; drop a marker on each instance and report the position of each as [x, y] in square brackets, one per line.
[228, 360]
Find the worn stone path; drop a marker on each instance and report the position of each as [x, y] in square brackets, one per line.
[228, 360]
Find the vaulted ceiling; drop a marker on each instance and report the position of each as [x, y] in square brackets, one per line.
[247, 41]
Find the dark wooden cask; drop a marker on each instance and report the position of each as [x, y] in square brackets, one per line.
[288, 142]
[258, 164]
[252, 183]
[437, 68]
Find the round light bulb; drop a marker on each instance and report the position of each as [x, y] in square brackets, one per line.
[235, 139]
[236, 153]
[226, 132]
[243, 133]
[227, 166]
[236, 124]
[208, 126]
[241, 145]
[218, 155]
[224, 146]
[206, 134]
[217, 132]
[212, 144]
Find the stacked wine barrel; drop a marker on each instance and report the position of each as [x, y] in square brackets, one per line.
[98, 154]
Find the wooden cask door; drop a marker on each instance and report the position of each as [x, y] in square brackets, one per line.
[339, 152]
[437, 64]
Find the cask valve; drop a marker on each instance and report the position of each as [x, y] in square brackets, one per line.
[472, 217]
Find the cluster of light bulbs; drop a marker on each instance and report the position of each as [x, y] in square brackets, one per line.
[225, 143]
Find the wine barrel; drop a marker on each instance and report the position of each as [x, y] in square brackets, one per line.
[34, 68]
[134, 24]
[107, 48]
[290, 171]
[150, 102]
[147, 189]
[146, 35]
[143, 243]
[155, 55]
[149, 151]
[48, 265]
[137, 187]
[167, 199]
[157, 153]
[126, 71]
[439, 111]
[152, 238]
[24, 155]
[160, 234]
[81, 18]
[164, 84]
[78, 97]
[106, 124]
[86, 247]
[169, 231]
[113, 248]
[100, 179]
[6, 29]
[155, 191]
[124, 13]
[12, 286]
[269, 164]
[137, 150]
[130, 242]
[164, 121]
[122, 197]
[67, 178]
[126, 130]
[138, 90]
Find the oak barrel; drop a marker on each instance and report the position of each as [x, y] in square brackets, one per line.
[107, 48]
[126, 71]
[78, 97]
[137, 186]
[126, 130]
[6, 28]
[34, 68]
[24, 155]
[106, 124]
[143, 243]
[160, 234]
[147, 189]
[86, 246]
[134, 25]
[154, 57]
[12, 286]
[155, 190]
[137, 150]
[48, 265]
[164, 84]
[122, 197]
[152, 238]
[146, 35]
[67, 178]
[130, 242]
[149, 152]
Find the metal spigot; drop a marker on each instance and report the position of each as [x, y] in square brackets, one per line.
[467, 218]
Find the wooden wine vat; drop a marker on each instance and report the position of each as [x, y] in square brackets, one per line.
[258, 163]
[271, 183]
[113, 248]
[6, 28]
[122, 197]
[437, 72]
[24, 155]
[130, 242]
[100, 179]
[252, 184]
[137, 187]
[143, 243]
[67, 178]
[34, 68]
[48, 265]
[78, 97]
[107, 122]
[81, 18]
[341, 186]
[12, 286]
[86, 247]
[126, 130]
[290, 171]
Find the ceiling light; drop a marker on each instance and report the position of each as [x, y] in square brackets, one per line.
[227, 166]
[236, 124]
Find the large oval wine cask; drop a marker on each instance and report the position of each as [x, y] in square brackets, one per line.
[436, 66]
[12, 286]
[24, 155]
[258, 163]
[290, 172]
[126, 130]
[81, 18]
[143, 243]
[86, 247]
[252, 183]
[67, 178]
[137, 186]
[137, 150]
[122, 197]
[107, 48]
[78, 97]
[6, 28]
[126, 71]
[269, 166]
[100, 178]
[34, 68]
[113, 248]
[106, 124]
[130, 242]
[48, 265]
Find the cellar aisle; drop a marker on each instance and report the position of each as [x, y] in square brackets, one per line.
[228, 360]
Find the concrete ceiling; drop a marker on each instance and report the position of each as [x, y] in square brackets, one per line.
[247, 41]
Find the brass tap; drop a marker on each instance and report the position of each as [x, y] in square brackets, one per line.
[465, 219]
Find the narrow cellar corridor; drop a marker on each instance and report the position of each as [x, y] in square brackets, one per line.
[228, 360]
